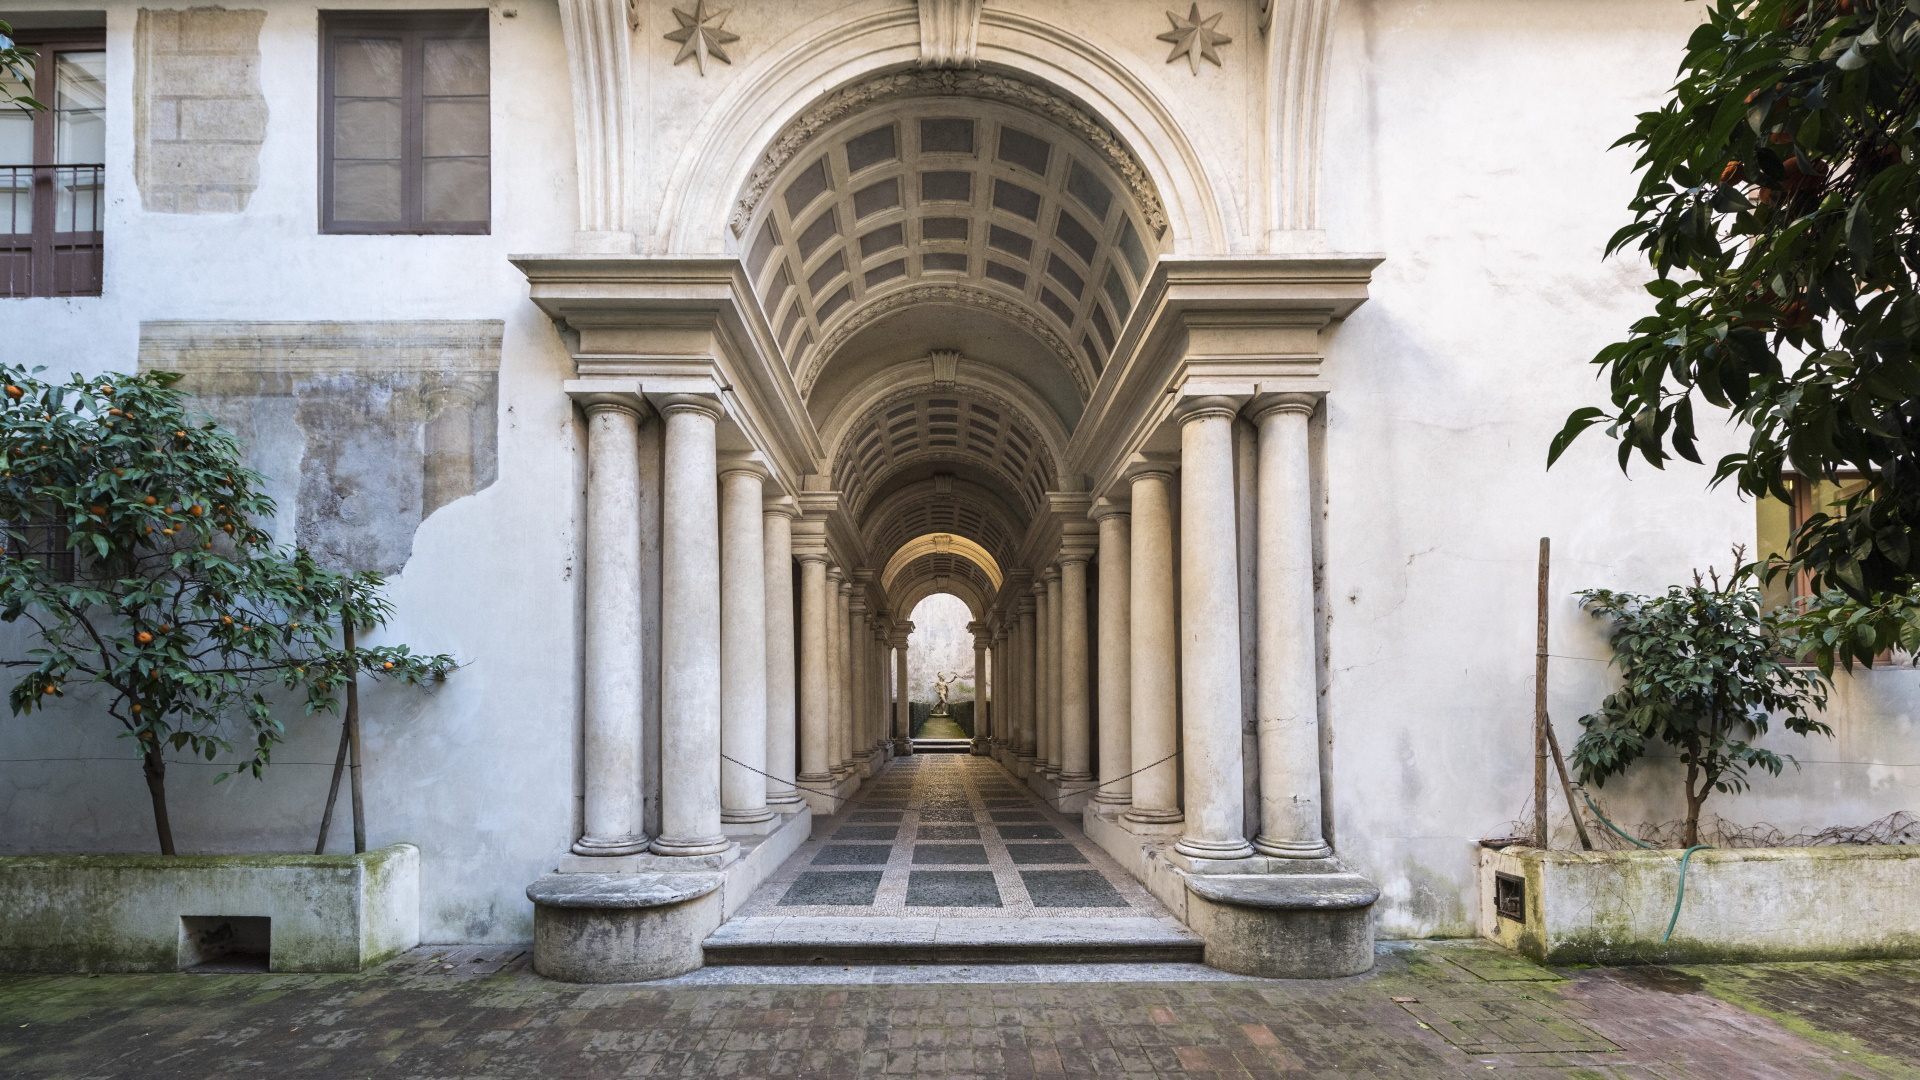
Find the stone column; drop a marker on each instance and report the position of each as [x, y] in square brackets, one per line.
[979, 632]
[1076, 715]
[777, 526]
[859, 693]
[1210, 636]
[836, 682]
[1153, 652]
[1042, 678]
[843, 671]
[1289, 726]
[816, 741]
[1026, 654]
[611, 645]
[902, 703]
[1056, 679]
[690, 633]
[743, 648]
[1116, 690]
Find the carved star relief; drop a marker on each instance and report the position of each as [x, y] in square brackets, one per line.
[700, 36]
[1194, 38]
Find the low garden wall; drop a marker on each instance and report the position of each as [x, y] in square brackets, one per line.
[1751, 904]
[107, 913]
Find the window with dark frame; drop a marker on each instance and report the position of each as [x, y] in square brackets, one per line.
[52, 167]
[404, 139]
[1777, 520]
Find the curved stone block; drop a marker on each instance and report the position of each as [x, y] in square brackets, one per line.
[1284, 926]
[607, 928]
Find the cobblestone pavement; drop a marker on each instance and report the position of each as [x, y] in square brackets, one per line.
[1440, 1010]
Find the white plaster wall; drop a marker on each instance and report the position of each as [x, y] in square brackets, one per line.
[1467, 141]
[479, 773]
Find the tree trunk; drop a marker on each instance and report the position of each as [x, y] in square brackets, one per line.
[1694, 803]
[155, 766]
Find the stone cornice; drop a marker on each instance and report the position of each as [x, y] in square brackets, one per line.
[1235, 326]
[680, 325]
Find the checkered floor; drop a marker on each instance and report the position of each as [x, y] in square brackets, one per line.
[950, 835]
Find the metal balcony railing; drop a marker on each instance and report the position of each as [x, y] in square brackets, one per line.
[50, 229]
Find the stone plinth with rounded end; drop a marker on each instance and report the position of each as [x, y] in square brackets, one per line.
[604, 928]
[1284, 926]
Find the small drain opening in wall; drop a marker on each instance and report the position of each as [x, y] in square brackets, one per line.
[225, 944]
[1510, 897]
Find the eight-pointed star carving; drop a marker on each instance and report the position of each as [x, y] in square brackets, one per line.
[700, 35]
[1194, 37]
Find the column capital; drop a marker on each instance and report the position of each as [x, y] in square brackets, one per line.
[780, 506]
[748, 464]
[608, 395]
[1163, 466]
[707, 404]
[834, 573]
[1052, 573]
[1212, 407]
[1261, 406]
[1027, 604]
[1104, 508]
[857, 605]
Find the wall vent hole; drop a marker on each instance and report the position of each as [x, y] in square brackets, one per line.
[226, 944]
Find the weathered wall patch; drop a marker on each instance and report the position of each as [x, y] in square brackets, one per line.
[362, 428]
[199, 115]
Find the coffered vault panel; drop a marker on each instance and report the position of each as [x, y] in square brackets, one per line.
[949, 201]
[942, 504]
[943, 425]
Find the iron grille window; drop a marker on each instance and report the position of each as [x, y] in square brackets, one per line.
[51, 195]
[404, 125]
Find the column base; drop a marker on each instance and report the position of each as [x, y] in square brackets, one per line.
[1142, 816]
[903, 747]
[594, 846]
[642, 917]
[1292, 849]
[1107, 796]
[737, 829]
[1274, 918]
[604, 928]
[1205, 851]
[1285, 926]
[980, 748]
[1067, 798]
[698, 847]
[752, 816]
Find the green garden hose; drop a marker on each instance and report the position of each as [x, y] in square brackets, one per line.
[1684, 857]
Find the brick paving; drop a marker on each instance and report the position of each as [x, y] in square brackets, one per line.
[1442, 1010]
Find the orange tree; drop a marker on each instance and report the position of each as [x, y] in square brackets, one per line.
[1777, 205]
[131, 551]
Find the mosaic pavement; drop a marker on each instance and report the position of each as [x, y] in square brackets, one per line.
[951, 836]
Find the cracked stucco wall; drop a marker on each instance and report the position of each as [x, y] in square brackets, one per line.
[361, 428]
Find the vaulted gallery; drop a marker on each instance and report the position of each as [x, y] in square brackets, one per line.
[962, 331]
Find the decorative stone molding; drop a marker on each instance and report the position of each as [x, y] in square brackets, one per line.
[1001, 88]
[601, 74]
[949, 33]
[1194, 38]
[701, 35]
[961, 295]
[1298, 43]
[946, 368]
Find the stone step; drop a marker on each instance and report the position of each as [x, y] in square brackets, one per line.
[774, 939]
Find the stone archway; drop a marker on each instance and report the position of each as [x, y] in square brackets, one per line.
[969, 305]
